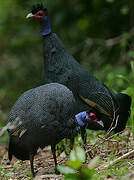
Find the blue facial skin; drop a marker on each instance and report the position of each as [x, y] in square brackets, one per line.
[45, 25]
[82, 118]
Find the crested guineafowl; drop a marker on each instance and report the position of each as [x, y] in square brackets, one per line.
[89, 92]
[43, 116]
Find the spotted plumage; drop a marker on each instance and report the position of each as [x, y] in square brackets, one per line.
[90, 93]
[41, 116]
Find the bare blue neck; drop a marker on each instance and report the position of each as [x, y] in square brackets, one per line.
[45, 26]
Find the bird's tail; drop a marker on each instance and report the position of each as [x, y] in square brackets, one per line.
[123, 112]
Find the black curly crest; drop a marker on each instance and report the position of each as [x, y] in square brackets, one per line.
[37, 8]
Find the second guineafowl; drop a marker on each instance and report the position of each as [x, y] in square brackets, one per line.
[89, 92]
[42, 116]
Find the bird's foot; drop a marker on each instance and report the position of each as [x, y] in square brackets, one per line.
[56, 171]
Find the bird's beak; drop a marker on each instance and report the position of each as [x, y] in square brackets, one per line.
[100, 123]
[29, 15]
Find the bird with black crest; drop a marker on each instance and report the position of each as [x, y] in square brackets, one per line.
[90, 93]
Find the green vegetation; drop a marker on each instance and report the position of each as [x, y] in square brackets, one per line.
[104, 151]
[99, 33]
[75, 169]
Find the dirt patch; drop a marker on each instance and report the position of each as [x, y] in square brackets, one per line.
[43, 163]
[108, 149]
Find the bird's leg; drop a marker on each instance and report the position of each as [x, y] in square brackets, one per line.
[9, 151]
[31, 157]
[71, 143]
[54, 156]
[84, 136]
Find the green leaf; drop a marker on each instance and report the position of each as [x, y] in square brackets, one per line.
[93, 162]
[130, 54]
[66, 170]
[124, 10]
[71, 177]
[78, 154]
[110, 1]
[88, 173]
[83, 23]
[123, 43]
[132, 65]
[73, 156]
[74, 164]
[123, 77]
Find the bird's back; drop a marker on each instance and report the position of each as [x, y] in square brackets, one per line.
[41, 116]
[61, 67]
[42, 102]
[46, 109]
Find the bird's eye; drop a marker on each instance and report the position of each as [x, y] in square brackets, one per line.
[39, 14]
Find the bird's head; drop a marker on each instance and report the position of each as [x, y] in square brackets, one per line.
[39, 12]
[85, 117]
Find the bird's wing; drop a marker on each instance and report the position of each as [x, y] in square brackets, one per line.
[98, 96]
[16, 127]
[95, 105]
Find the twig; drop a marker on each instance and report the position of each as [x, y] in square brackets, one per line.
[118, 159]
[108, 139]
[112, 41]
[101, 142]
[47, 176]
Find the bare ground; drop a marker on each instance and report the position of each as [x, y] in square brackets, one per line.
[108, 149]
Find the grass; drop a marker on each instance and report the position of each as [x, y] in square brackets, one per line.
[107, 149]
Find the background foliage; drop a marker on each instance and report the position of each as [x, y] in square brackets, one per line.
[98, 33]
